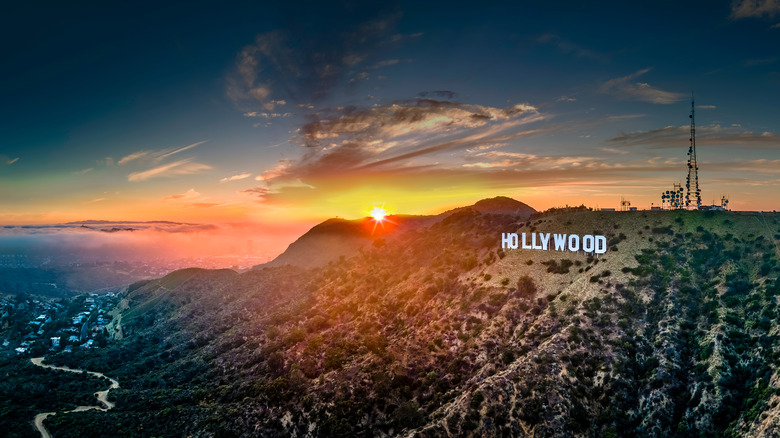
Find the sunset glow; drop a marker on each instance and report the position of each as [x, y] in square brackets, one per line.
[284, 126]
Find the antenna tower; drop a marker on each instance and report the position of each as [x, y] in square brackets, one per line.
[693, 166]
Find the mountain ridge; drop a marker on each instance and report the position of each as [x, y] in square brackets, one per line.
[441, 332]
[336, 237]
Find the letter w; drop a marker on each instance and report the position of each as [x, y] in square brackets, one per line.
[560, 242]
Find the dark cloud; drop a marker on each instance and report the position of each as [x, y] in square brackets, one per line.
[440, 94]
[303, 63]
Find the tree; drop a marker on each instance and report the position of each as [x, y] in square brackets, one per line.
[526, 286]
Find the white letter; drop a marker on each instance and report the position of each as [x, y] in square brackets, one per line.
[574, 242]
[509, 240]
[587, 243]
[560, 242]
[545, 240]
[525, 246]
[533, 242]
[601, 244]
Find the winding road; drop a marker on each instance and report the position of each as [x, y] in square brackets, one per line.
[102, 396]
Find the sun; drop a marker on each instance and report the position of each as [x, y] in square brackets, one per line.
[378, 213]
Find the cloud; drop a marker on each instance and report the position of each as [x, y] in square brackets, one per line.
[266, 115]
[189, 194]
[614, 151]
[85, 171]
[257, 191]
[204, 204]
[569, 48]
[754, 8]
[108, 162]
[181, 167]
[441, 94]
[565, 99]
[240, 176]
[760, 61]
[385, 63]
[7, 160]
[712, 136]
[353, 143]
[623, 88]
[706, 106]
[133, 157]
[305, 65]
[156, 156]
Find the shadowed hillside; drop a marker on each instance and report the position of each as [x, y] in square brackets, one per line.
[436, 331]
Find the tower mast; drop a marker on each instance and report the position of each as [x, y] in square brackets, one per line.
[693, 166]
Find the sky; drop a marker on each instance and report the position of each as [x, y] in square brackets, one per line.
[283, 115]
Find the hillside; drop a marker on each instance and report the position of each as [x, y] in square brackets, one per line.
[438, 332]
[336, 238]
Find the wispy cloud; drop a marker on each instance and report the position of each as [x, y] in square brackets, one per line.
[393, 139]
[181, 167]
[615, 151]
[754, 8]
[712, 136]
[626, 89]
[7, 160]
[85, 171]
[132, 157]
[156, 156]
[565, 46]
[760, 61]
[188, 195]
[706, 106]
[238, 177]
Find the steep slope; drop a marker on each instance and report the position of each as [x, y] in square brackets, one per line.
[439, 332]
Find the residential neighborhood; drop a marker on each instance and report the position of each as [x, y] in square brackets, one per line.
[31, 326]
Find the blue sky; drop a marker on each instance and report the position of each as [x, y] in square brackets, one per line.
[214, 112]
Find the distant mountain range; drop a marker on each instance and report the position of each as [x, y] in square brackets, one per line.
[432, 329]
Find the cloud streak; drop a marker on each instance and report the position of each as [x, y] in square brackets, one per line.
[712, 136]
[181, 167]
[237, 177]
[625, 88]
[156, 156]
[7, 160]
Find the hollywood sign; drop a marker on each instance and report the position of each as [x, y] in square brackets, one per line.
[561, 242]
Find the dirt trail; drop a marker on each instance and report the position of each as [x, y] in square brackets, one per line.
[101, 396]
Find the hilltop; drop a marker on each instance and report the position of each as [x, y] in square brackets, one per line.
[336, 238]
[437, 331]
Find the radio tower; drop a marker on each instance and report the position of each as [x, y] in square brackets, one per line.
[693, 166]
